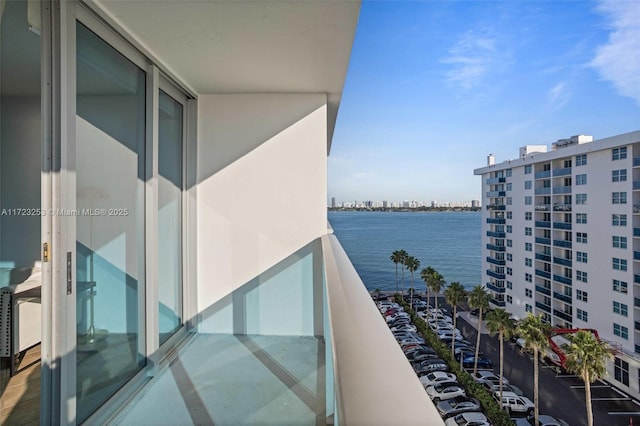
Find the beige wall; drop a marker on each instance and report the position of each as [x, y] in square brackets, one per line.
[261, 192]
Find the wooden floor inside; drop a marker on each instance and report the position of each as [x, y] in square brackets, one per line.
[20, 394]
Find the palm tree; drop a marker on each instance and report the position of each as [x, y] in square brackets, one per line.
[535, 333]
[403, 256]
[397, 257]
[436, 283]
[501, 322]
[478, 298]
[587, 357]
[425, 274]
[412, 265]
[455, 294]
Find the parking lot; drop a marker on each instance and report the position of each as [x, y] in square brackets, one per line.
[561, 395]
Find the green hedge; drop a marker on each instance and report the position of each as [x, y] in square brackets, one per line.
[490, 406]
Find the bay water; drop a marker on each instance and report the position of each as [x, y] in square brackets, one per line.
[449, 242]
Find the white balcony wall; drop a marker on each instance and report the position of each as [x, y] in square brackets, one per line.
[261, 197]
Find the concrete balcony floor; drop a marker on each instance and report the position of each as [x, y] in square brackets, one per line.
[237, 379]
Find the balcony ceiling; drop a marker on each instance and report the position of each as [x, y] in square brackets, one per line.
[218, 47]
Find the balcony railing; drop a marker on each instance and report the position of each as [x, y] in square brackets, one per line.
[545, 241]
[542, 207]
[495, 248]
[361, 390]
[636, 232]
[496, 288]
[562, 207]
[495, 274]
[494, 261]
[561, 225]
[542, 191]
[544, 307]
[495, 194]
[562, 261]
[563, 297]
[636, 184]
[636, 255]
[562, 243]
[496, 221]
[543, 290]
[542, 175]
[498, 303]
[636, 325]
[543, 274]
[543, 257]
[496, 207]
[565, 316]
[636, 278]
[496, 234]
[562, 172]
[565, 189]
[543, 224]
[561, 279]
[493, 181]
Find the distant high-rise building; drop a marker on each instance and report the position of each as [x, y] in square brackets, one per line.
[561, 239]
[475, 203]
[333, 202]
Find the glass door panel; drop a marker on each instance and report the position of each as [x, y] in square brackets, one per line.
[110, 128]
[170, 137]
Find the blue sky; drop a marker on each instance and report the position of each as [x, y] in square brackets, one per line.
[433, 87]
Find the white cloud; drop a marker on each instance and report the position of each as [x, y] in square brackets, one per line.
[471, 57]
[619, 60]
[557, 96]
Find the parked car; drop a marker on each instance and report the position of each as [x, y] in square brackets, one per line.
[459, 404]
[545, 420]
[447, 390]
[411, 355]
[475, 312]
[404, 327]
[472, 418]
[437, 377]
[429, 366]
[412, 348]
[486, 375]
[468, 360]
[494, 386]
[423, 357]
[448, 336]
[514, 403]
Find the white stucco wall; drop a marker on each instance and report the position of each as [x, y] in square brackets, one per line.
[261, 192]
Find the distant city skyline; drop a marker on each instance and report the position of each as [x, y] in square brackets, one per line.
[435, 86]
[361, 203]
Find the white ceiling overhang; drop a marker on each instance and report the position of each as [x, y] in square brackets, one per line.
[217, 47]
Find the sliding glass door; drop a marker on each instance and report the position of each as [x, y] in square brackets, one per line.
[110, 224]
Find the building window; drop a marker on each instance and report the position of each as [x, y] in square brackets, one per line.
[509, 215]
[509, 201]
[581, 179]
[528, 200]
[509, 299]
[527, 169]
[528, 262]
[527, 184]
[581, 160]
[528, 278]
[528, 215]
[582, 315]
[528, 231]
[619, 264]
[619, 219]
[509, 243]
[509, 257]
[528, 247]
[621, 368]
[620, 331]
[528, 308]
[620, 286]
[509, 271]
[619, 153]
[528, 292]
[509, 285]
[581, 257]
[509, 229]
[581, 276]
[581, 198]
[509, 186]
[620, 309]
[581, 218]
[508, 172]
[581, 237]
[619, 175]
[619, 197]
[581, 295]
[619, 242]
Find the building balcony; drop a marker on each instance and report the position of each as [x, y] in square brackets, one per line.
[496, 221]
[562, 261]
[494, 261]
[320, 377]
[496, 207]
[496, 194]
[543, 274]
[636, 255]
[542, 191]
[543, 290]
[562, 207]
[496, 234]
[562, 297]
[636, 325]
[542, 207]
[636, 278]
[542, 175]
[496, 288]
[636, 232]
[566, 171]
[636, 185]
[498, 303]
[561, 225]
[543, 224]
[544, 307]
[495, 274]
[562, 243]
[561, 279]
[495, 180]
[565, 316]
[545, 241]
[636, 302]
[543, 257]
[636, 162]
[495, 248]
[565, 189]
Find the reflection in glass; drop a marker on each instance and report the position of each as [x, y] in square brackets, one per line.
[169, 216]
[110, 126]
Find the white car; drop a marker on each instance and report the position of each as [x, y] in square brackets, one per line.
[514, 403]
[436, 377]
[484, 375]
[443, 391]
[406, 327]
[472, 418]
[447, 335]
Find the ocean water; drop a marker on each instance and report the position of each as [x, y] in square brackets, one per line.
[447, 241]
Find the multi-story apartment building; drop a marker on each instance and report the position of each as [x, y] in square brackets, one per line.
[561, 238]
